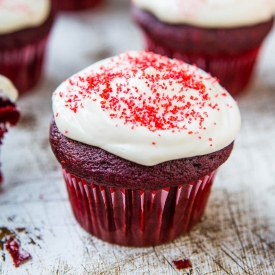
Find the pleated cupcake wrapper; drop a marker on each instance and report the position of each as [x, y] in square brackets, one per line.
[74, 5]
[23, 65]
[233, 71]
[137, 217]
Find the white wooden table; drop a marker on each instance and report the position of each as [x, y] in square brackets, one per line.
[237, 232]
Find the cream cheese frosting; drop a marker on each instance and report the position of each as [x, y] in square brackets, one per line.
[7, 89]
[210, 13]
[146, 108]
[19, 14]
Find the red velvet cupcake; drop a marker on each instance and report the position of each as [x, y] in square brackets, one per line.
[75, 5]
[24, 31]
[9, 114]
[220, 37]
[140, 137]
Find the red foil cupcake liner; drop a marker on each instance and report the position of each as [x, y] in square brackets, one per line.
[23, 66]
[75, 5]
[137, 217]
[233, 71]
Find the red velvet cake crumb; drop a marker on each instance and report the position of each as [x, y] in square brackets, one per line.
[183, 264]
[18, 256]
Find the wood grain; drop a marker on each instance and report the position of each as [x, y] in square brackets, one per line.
[237, 233]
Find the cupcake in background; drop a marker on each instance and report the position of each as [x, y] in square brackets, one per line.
[24, 29]
[221, 37]
[139, 138]
[75, 5]
[9, 114]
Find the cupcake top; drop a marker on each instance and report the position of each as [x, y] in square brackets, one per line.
[19, 14]
[146, 108]
[210, 13]
[7, 89]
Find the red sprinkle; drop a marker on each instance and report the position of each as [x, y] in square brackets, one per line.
[157, 111]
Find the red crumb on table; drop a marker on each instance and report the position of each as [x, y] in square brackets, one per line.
[182, 264]
[18, 256]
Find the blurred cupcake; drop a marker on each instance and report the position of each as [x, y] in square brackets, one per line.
[24, 30]
[140, 137]
[75, 5]
[220, 37]
[9, 114]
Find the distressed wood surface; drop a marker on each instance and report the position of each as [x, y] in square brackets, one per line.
[237, 232]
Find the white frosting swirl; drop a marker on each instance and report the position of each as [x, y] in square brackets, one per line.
[210, 13]
[7, 89]
[19, 14]
[146, 108]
